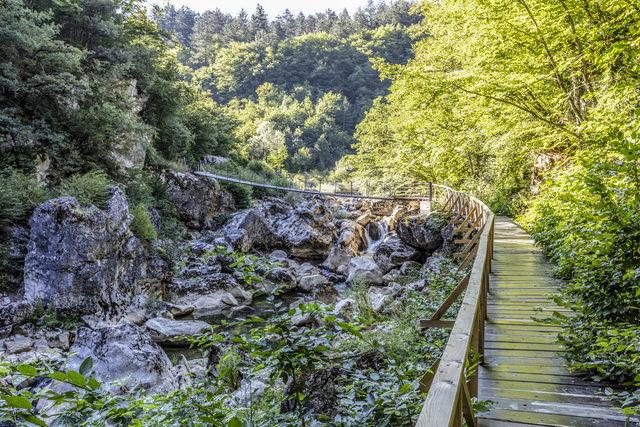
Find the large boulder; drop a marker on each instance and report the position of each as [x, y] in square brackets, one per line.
[124, 357]
[198, 200]
[305, 230]
[393, 252]
[422, 231]
[364, 269]
[85, 259]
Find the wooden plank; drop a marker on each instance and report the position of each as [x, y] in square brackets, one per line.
[573, 409]
[567, 379]
[523, 353]
[533, 360]
[524, 346]
[589, 397]
[549, 419]
[517, 338]
[524, 369]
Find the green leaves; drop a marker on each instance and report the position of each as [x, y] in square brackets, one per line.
[17, 402]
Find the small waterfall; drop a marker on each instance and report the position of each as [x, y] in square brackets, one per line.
[375, 232]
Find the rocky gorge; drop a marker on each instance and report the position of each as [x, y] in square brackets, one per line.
[92, 289]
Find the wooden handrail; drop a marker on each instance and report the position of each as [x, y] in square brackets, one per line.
[449, 396]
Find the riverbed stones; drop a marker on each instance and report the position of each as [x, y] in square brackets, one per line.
[124, 357]
[364, 269]
[212, 304]
[18, 344]
[170, 331]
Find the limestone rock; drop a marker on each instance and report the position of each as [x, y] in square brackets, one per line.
[18, 344]
[423, 231]
[393, 252]
[364, 268]
[198, 199]
[305, 230]
[124, 357]
[86, 260]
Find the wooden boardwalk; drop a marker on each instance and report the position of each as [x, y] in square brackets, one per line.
[524, 373]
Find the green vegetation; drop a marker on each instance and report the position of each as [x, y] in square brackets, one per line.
[532, 106]
[142, 226]
[327, 371]
[90, 188]
[297, 86]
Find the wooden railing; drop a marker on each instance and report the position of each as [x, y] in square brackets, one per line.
[450, 385]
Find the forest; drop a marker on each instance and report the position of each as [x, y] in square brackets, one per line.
[107, 107]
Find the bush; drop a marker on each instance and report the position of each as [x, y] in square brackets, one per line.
[19, 195]
[90, 188]
[588, 221]
[142, 226]
[241, 194]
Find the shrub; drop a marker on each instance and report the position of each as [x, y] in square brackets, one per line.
[241, 194]
[142, 226]
[19, 195]
[90, 188]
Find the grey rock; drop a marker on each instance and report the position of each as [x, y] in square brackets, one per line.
[302, 319]
[282, 276]
[391, 276]
[381, 297]
[409, 266]
[305, 230]
[61, 340]
[198, 199]
[365, 269]
[205, 282]
[312, 282]
[211, 304]
[417, 286]
[177, 310]
[423, 231]
[173, 331]
[18, 344]
[344, 308]
[85, 259]
[393, 252]
[351, 241]
[124, 357]
[14, 312]
[278, 255]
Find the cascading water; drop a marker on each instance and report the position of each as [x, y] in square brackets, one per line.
[375, 233]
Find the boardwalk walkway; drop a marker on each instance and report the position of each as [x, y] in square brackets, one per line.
[524, 373]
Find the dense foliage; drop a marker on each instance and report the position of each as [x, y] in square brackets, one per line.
[308, 77]
[531, 104]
